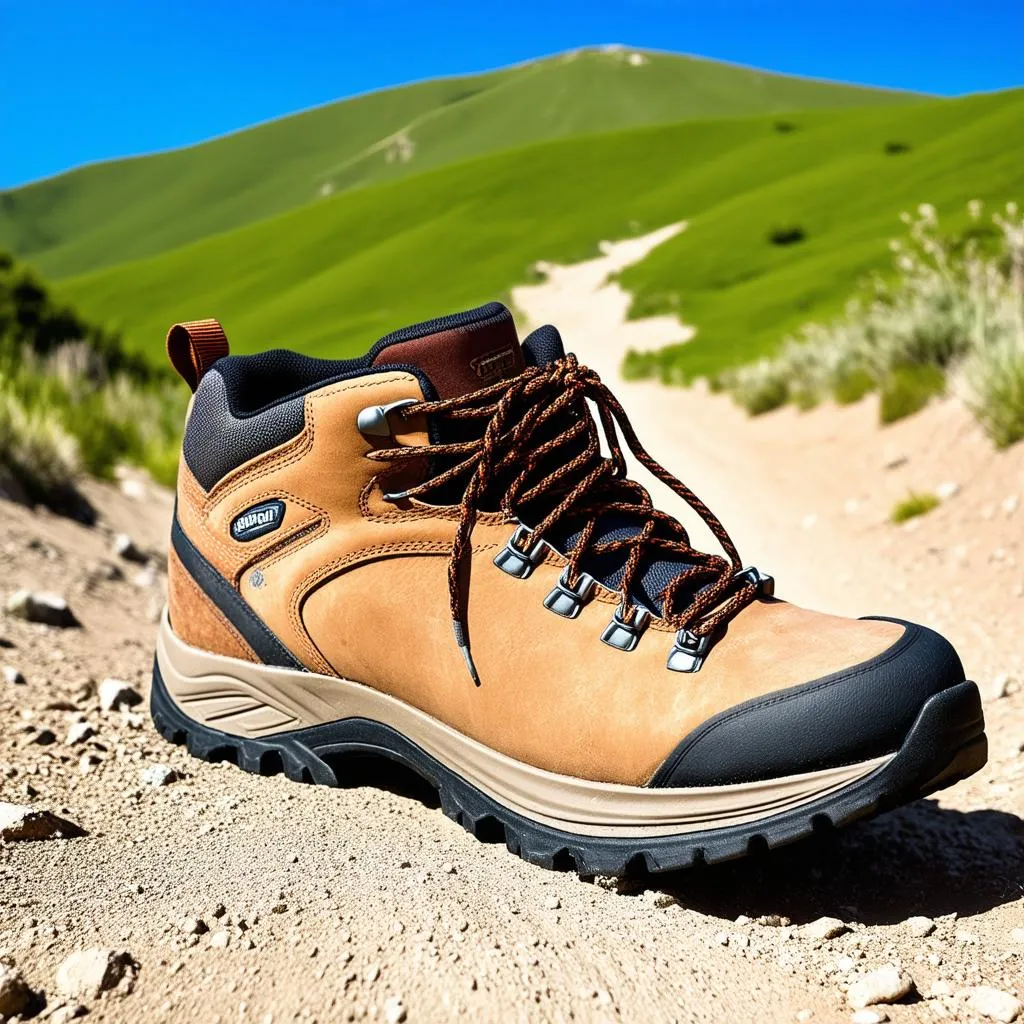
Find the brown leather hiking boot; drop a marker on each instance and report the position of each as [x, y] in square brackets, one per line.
[424, 554]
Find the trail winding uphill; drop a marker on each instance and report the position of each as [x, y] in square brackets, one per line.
[241, 898]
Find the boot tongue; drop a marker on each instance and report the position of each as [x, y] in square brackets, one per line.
[460, 353]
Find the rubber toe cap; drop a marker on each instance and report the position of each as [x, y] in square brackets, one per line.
[859, 713]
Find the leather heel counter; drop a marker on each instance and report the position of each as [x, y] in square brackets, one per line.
[197, 620]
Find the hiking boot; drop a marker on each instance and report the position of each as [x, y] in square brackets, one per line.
[433, 553]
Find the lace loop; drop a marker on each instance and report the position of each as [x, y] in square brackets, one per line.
[541, 446]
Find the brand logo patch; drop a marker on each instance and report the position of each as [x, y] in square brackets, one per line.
[493, 365]
[259, 520]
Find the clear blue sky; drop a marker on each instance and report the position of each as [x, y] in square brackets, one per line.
[86, 80]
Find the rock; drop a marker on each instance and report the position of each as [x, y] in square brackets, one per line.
[919, 927]
[1011, 504]
[220, 940]
[372, 973]
[824, 928]
[124, 547]
[13, 676]
[553, 903]
[134, 489]
[193, 926]
[79, 733]
[1017, 935]
[948, 489]
[662, 901]
[62, 1014]
[49, 609]
[994, 1004]
[886, 985]
[116, 694]
[159, 775]
[25, 824]
[88, 972]
[394, 1010]
[15, 995]
[773, 921]
[868, 1016]
[1000, 687]
[44, 737]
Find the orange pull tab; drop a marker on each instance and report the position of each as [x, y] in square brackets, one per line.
[194, 347]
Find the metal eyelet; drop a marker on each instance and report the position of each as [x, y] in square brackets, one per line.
[688, 652]
[765, 584]
[373, 420]
[568, 600]
[514, 560]
[623, 635]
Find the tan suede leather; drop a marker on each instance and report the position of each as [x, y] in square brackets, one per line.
[197, 620]
[355, 586]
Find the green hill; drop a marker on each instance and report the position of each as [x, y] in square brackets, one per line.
[329, 277]
[124, 210]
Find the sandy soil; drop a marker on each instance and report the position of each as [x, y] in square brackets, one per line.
[362, 903]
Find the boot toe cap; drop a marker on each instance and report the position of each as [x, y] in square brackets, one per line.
[853, 715]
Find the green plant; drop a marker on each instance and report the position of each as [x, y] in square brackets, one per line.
[788, 235]
[913, 505]
[895, 148]
[908, 389]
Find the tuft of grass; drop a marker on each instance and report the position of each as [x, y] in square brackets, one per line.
[852, 386]
[908, 389]
[913, 505]
[788, 235]
[896, 148]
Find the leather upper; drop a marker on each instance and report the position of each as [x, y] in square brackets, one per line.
[356, 586]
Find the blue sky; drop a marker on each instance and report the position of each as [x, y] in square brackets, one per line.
[86, 81]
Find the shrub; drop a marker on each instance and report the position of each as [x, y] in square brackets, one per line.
[908, 389]
[911, 506]
[955, 306]
[895, 148]
[788, 235]
[784, 127]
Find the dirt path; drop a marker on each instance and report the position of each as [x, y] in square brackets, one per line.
[326, 905]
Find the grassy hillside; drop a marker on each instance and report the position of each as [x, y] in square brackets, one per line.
[330, 277]
[129, 209]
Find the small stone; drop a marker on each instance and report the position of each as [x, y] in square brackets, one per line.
[87, 973]
[220, 940]
[79, 733]
[824, 928]
[372, 974]
[448, 868]
[159, 775]
[1017, 935]
[124, 547]
[552, 902]
[869, 1016]
[394, 1010]
[773, 921]
[13, 676]
[62, 1014]
[804, 1015]
[44, 737]
[134, 489]
[116, 694]
[948, 489]
[664, 900]
[994, 1004]
[24, 824]
[49, 609]
[886, 985]
[1000, 686]
[1011, 504]
[14, 992]
[939, 989]
[919, 927]
[87, 763]
[193, 926]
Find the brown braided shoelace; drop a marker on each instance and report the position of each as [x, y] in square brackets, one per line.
[539, 452]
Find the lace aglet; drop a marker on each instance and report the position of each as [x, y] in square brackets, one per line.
[460, 638]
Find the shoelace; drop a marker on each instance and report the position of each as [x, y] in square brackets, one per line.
[541, 444]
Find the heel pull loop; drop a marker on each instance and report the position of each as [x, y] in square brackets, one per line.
[193, 347]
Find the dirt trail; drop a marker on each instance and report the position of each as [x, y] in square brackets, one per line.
[327, 905]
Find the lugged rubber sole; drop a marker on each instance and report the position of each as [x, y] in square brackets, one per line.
[947, 743]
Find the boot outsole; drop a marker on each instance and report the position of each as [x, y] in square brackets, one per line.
[947, 743]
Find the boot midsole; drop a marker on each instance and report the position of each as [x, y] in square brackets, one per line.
[259, 702]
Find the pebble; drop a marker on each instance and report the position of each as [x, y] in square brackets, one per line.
[159, 775]
[116, 694]
[23, 824]
[994, 1004]
[869, 1016]
[1000, 686]
[919, 927]
[70, 1011]
[124, 547]
[394, 1010]
[49, 609]
[773, 921]
[948, 489]
[13, 676]
[886, 985]
[14, 992]
[88, 972]
[553, 903]
[193, 926]
[79, 733]
[824, 928]
[1017, 935]
[220, 940]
